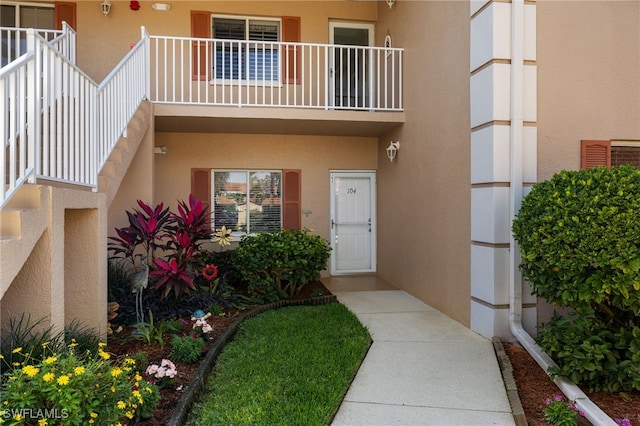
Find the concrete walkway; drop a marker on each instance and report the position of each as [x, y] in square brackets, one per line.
[423, 367]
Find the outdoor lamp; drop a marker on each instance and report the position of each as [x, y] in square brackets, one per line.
[392, 150]
[105, 7]
[390, 3]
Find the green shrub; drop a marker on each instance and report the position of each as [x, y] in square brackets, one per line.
[186, 349]
[76, 389]
[278, 264]
[579, 236]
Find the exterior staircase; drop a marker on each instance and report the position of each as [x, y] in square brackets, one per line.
[27, 218]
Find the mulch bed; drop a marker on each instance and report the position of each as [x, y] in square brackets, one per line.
[119, 345]
[534, 386]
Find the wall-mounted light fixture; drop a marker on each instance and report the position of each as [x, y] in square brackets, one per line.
[161, 7]
[105, 7]
[390, 3]
[160, 149]
[392, 150]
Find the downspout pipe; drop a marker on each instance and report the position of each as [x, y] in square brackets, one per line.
[591, 411]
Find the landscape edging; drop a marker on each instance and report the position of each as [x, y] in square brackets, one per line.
[195, 388]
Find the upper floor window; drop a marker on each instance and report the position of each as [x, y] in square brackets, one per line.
[247, 201]
[22, 15]
[27, 15]
[249, 50]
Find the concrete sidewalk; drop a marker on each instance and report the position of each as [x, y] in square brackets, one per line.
[423, 367]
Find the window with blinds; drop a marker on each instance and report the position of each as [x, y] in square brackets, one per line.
[247, 201]
[22, 16]
[246, 49]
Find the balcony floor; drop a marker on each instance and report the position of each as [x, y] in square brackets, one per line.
[264, 120]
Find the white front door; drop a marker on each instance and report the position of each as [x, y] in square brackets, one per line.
[353, 222]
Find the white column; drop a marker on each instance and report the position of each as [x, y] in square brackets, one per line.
[491, 133]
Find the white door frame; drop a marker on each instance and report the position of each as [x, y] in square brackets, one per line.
[332, 61]
[333, 226]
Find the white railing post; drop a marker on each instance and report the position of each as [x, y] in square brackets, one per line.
[28, 141]
[144, 35]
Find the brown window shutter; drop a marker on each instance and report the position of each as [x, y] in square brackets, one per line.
[595, 153]
[201, 186]
[200, 28]
[292, 195]
[64, 11]
[291, 59]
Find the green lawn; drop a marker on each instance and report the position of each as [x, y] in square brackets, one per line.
[290, 366]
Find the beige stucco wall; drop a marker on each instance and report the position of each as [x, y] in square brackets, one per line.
[315, 156]
[63, 278]
[103, 41]
[588, 81]
[423, 196]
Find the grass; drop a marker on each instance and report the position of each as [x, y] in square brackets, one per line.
[285, 367]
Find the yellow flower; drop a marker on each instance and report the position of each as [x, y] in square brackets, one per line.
[129, 361]
[16, 350]
[103, 354]
[48, 377]
[102, 344]
[115, 372]
[18, 417]
[129, 414]
[45, 344]
[1, 357]
[15, 364]
[50, 360]
[93, 415]
[42, 422]
[30, 370]
[63, 380]
[113, 389]
[79, 370]
[138, 377]
[122, 405]
[223, 236]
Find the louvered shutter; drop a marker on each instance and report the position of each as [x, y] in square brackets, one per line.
[291, 58]
[200, 57]
[595, 153]
[201, 186]
[291, 188]
[64, 11]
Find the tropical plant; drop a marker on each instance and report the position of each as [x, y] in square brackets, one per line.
[177, 235]
[147, 228]
[579, 236]
[279, 264]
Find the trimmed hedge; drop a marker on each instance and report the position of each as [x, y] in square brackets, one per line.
[579, 235]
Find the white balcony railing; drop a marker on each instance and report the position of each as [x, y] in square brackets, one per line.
[296, 75]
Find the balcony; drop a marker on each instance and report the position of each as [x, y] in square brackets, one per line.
[215, 85]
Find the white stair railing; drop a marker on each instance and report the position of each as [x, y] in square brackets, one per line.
[57, 124]
[119, 96]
